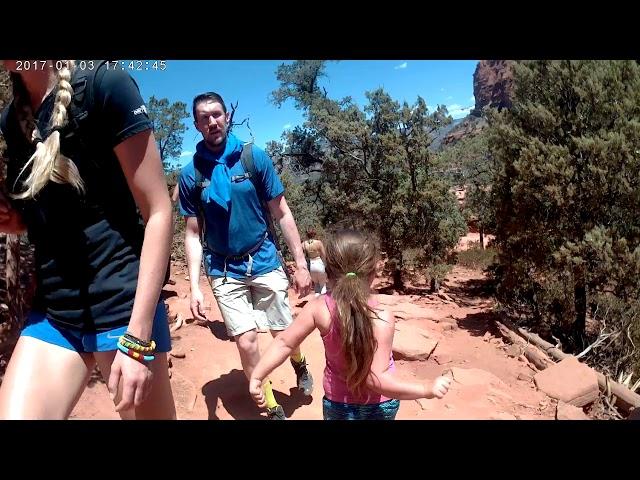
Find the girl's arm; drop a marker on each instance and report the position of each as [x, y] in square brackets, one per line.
[281, 347]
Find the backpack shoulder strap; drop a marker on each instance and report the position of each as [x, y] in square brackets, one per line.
[249, 166]
[83, 85]
[201, 182]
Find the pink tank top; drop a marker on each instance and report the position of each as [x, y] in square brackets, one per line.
[334, 383]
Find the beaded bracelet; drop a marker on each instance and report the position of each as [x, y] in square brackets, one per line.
[136, 340]
[138, 348]
[135, 355]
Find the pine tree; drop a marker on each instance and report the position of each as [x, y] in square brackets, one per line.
[376, 170]
[566, 193]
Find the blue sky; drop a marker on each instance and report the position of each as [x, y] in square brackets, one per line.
[249, 82]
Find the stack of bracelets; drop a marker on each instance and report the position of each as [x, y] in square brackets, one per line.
[136, 348]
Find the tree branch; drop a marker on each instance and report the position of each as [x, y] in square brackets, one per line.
[232, 114]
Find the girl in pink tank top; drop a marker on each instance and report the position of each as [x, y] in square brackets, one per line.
[358, 382]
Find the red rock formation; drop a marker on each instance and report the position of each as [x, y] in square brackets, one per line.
[492, 85]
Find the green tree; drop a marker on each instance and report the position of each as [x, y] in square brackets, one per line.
[168, 127]
[375, 168]
[301, 203]
[299, 81]
[470, 165]
[566, 191]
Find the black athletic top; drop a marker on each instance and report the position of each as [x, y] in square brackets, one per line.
[87, 246]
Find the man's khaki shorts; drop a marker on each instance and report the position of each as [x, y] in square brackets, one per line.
[242, 302]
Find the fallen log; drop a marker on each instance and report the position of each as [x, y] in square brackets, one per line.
[624, 398]
[532, 354]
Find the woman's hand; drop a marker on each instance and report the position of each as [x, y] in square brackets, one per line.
[136, 381]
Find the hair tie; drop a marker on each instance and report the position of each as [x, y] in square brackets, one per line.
[350, 274]
[36, 138]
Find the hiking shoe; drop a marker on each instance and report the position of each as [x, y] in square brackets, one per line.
[303, 376]
[276, 413]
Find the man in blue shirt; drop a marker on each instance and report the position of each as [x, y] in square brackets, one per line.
[240, 255]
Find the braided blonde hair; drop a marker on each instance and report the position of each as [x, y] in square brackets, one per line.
[47, 163]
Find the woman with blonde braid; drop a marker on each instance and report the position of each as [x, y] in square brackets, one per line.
[90, 192]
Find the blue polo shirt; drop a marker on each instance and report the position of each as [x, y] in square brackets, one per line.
[243, 226]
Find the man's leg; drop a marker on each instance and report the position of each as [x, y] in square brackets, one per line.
[304, 380]
[247, 344]
[270, 293]
[236, 305]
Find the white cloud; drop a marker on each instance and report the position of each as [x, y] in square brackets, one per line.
[472, 98]
[286, 126]
[401, 66]
[442, 89]
[458, 111]
[450, 97]
[186, 153]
